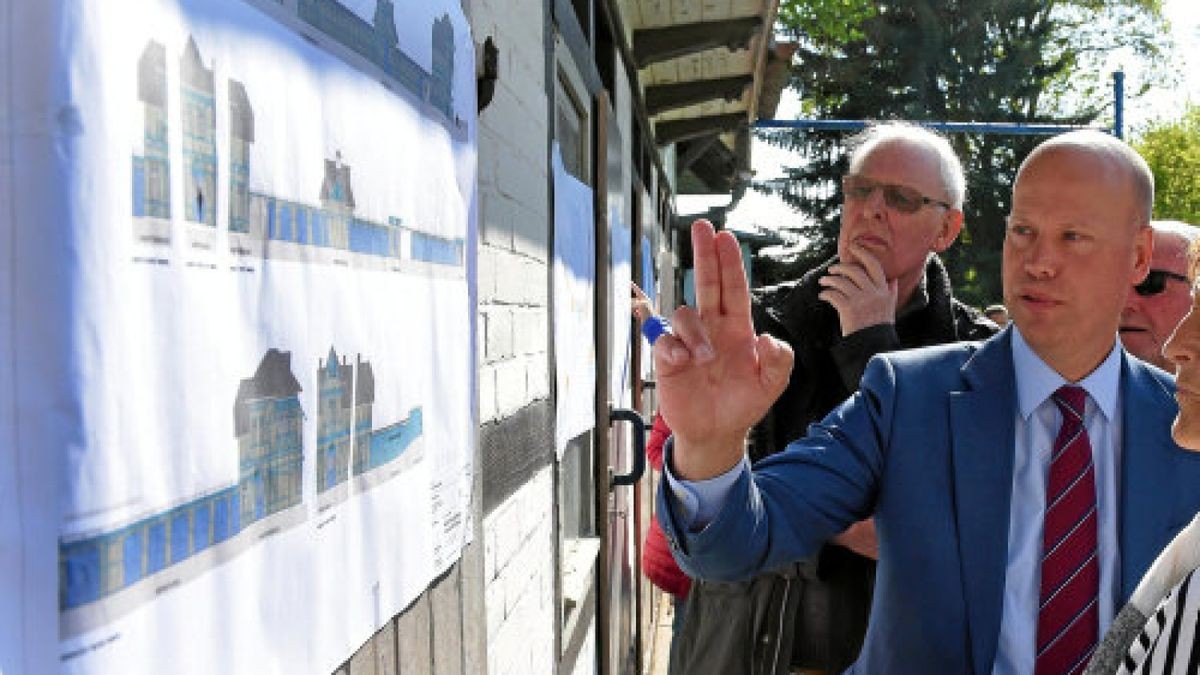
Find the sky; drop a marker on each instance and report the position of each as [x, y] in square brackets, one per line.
[767, 161]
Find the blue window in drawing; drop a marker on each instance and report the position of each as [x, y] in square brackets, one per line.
[221, 519]
[139, 187]
[285, 222]
[436, 250]
[271, 233]
[330, 466]
[80, 574]
[201, 518]
[179, 537]
[235, 515]
[318, 229]
[131, 555]
[302, 225]
[260, 508]
[156, 547]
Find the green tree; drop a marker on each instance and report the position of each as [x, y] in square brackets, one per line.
[952, 60]
[1172, 149]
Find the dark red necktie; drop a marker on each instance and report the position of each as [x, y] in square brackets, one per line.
[1068, 615]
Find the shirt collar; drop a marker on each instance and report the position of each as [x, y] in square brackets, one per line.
[1036, 381]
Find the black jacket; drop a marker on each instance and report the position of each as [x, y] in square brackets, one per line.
[814, 614]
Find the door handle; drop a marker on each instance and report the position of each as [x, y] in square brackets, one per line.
[639, 444]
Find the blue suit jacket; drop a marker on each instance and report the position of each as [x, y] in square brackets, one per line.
[926, 446]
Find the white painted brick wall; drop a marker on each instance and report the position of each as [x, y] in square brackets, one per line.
[514, 211]
[519, 583]
[513, 349]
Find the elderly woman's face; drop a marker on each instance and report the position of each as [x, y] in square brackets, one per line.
[1183, 349]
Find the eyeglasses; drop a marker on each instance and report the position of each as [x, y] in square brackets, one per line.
[899, 197]
[1156, 282]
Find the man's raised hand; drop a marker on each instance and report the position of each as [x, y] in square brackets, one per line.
[716, 379]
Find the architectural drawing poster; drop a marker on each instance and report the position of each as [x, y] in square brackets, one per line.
[235, 416]
[574, 305]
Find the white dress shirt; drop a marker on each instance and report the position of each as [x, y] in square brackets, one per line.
[1037, 423]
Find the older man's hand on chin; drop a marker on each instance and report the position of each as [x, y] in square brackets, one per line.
[716, 378]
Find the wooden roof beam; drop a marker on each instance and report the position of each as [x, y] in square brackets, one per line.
[674, 131]
[651, 45]
[662, 97]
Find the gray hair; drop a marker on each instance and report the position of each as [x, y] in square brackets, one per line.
[1115, 150]
[1177, 227]
[954, 180]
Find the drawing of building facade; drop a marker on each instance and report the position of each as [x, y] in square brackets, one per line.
[241, 135]
[334, 226]
[364, 400]
[377, 42]
[388, 443]
[151, 167]
[334, 412]
[337, 204]
[255, 218]
[441, 84]
[267, 423]
[199, 114]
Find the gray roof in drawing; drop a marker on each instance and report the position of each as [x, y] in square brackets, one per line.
[273, 379]
[152, 75]
[241, 114]
[192, 70]
[365, 386]
[336, 185]
[343, 372]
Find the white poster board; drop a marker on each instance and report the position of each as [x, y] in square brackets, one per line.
[240, 253]
[574, 304]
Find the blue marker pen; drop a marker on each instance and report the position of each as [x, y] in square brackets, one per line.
[654, 327]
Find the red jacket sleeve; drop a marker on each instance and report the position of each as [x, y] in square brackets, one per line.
[658, 438]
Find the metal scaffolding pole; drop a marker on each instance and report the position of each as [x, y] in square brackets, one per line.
[1006, 128]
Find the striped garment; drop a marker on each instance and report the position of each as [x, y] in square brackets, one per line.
[1157, 631]
[1168, 641]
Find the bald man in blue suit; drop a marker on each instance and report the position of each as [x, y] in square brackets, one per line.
[947, 447]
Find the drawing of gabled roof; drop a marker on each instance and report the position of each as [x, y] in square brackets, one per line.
[343, 372]
[336, 185]
[152, 75]
[272, 380]
[241, 114]
[365, 386]
[192, 69]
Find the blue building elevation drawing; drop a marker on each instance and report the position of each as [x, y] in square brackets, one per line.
[346, 442]
[151, 166]
[128, 565]
[325, 230]
[377, 43]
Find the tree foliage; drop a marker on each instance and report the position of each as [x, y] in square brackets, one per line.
[947, 60]
[1172, 149]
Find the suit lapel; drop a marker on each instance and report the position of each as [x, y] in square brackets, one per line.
[982, 431]
[1147, 472]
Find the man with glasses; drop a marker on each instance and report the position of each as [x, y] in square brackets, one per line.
[1020, 486]
[886, 290]
[1155, 307]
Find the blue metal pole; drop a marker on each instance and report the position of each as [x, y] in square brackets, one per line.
[948, 127]
[1119, 104]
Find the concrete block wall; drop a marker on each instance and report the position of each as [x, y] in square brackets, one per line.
[514, 212]
[519, 576]
[519, 572]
